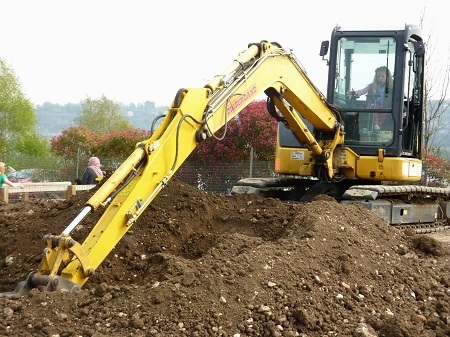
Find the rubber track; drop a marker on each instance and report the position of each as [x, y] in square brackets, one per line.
[388, 190]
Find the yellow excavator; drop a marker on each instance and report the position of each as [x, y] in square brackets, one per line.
[325, 144]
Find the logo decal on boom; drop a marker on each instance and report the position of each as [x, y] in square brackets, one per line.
[242, 98]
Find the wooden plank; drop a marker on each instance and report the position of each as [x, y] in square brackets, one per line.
[27, 188]
[84, 187]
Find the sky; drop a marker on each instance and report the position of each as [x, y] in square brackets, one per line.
[141, 50]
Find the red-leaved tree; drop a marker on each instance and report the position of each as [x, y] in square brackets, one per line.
[253, 128]
[73, 139]
[438, 169]
[119, 143]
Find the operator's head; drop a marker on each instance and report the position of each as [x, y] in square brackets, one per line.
[381, 74]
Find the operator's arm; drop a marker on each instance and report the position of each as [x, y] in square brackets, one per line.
[363, 91]
[359, 92]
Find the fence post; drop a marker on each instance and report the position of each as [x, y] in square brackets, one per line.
[71, 191]
[4, 194]
[78, 160]
[251, 162]
[25, 196]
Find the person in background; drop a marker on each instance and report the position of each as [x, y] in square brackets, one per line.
[93, 173]
[4, 178]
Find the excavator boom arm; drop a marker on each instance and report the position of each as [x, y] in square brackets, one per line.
[195, 115]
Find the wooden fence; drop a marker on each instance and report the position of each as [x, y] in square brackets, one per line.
[47, 190]
[217, 177]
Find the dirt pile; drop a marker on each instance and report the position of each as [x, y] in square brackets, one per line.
[197, 264]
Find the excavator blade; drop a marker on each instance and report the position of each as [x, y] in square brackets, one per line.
[42, 283]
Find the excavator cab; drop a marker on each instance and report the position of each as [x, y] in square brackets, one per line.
[381, 123]
[378, 115]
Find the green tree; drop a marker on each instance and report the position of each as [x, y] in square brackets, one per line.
[32, 144]
[16, 113]
[101, 115]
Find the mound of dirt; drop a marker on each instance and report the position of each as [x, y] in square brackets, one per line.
[198, 264]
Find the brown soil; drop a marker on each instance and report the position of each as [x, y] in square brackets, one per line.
[198, 264]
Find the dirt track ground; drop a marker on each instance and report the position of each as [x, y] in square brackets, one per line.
[197, 264]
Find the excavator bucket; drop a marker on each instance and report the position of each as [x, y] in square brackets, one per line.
[42, 283]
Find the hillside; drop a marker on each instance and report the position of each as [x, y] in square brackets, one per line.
[53, 118]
